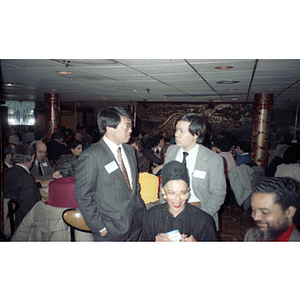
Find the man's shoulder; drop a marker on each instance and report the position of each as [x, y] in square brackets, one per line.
[295, 235]
[209, 155]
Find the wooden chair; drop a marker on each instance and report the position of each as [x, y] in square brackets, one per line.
[13, 206]
[74, 219]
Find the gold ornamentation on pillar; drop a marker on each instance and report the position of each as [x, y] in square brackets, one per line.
[261, 128]
[52, 111]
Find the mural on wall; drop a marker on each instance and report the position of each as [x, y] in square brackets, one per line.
[233, 118]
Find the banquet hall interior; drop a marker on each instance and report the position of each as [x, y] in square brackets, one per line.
[248, 99]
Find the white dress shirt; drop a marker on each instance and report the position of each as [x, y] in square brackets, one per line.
[190, 164]
[114, 149]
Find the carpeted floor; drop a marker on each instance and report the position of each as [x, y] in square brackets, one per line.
[233, 227]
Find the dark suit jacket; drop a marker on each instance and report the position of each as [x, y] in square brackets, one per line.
[20, 185]
[48, 170]
[104, 199]
[55, 149]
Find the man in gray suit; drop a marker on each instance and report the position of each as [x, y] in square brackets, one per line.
[107, 188]
[206, 168]
[275, 206]
[42, 170]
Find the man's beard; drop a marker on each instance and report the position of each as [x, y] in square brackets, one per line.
[271, 234]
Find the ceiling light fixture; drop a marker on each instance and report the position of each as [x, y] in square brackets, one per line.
[227, 82]
[63, 72]
[229, 90]
[235, 99]
[223, 67]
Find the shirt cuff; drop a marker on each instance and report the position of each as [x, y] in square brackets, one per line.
[102, 229]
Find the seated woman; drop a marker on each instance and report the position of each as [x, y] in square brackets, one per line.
[192, 223]
[61, 190]
[76, 148]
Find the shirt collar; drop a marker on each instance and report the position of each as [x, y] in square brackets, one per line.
[287, 234]
[111, 145]
[24, 167]
[192, 152]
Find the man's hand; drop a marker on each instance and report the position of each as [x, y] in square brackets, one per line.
[184, 238]
[56, 175]
[162, 237]
[103, 233]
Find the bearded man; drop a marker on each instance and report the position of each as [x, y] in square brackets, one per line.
[276, 210]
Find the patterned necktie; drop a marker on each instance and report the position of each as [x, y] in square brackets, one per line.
[40, 168]
[185, 154]
[123, 169]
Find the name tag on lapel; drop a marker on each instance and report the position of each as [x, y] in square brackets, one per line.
[199, 174]
[112, 166]
[44, 164]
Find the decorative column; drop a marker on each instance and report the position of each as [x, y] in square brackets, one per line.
[52, 112]
[261, 128]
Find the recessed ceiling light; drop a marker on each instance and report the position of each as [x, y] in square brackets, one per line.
[63, 72]
[227, 82]
[235, 99]
[104, 98]
[135, 91]
[231, 90]
[223, 67]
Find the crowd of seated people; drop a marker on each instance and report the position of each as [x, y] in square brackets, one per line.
[156, 179]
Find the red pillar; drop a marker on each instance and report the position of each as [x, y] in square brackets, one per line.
[52, 112]
[261, 128]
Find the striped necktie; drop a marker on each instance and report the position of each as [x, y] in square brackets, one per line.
[123, 169]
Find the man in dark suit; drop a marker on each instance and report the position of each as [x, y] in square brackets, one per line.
[107, 188]
[19, 184]
[56, 147]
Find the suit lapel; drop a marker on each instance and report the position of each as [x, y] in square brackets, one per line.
[108, 157]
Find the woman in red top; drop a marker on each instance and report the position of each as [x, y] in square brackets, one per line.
[61, 190]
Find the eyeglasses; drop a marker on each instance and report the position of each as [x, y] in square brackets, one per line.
[182, 195]
[127, 127]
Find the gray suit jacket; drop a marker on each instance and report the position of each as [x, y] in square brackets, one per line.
[211, 190]
[104, 199]
[48, 170]
[295, 237]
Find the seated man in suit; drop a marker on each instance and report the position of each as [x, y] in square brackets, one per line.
[19, 184]
[41, 168]
[56, 147]
[276, 211]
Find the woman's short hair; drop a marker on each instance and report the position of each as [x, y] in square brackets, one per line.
[292, 154]
[75, 143]
[224, 144]
[197, 125]
[111, 117]
[66, 165]
[244, 145]
[22, 153]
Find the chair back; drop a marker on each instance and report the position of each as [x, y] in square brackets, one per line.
[73, 218]
[13, 206]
